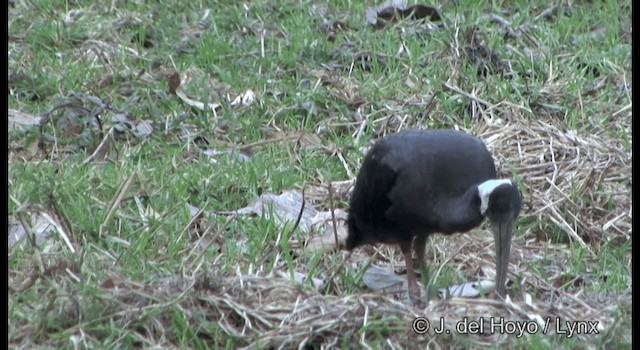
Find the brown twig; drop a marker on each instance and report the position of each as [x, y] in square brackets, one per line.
[333, 215]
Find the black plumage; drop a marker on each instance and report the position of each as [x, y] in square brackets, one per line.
[415, 183]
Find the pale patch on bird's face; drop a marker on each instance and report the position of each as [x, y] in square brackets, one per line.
[485, 189]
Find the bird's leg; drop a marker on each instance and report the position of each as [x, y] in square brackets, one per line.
[419, 245]
[414, 289]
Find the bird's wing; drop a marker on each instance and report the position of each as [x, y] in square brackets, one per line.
[410, 197]
[409, 207]
[370, 199]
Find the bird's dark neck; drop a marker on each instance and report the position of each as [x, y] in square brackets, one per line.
[461, 213]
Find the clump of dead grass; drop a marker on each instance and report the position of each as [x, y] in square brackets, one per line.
[269, 311]
[578, 182]
[575, 182]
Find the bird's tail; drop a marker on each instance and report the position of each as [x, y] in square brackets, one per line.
[369, 204]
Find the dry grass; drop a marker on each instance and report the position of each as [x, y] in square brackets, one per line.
[576, 180]
[267, 311]
[270, 312]
[570, 178]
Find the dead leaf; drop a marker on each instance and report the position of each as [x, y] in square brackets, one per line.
[143, 128]
[306, 140]
[341, 191]
[301, 278]
[243, 158]
[422, 11]
[193, 211]
[121, 122]
[41, 223]
[468, 290]
[246, 99]
[332, 28]
[102, 150]
[197, 104]
[595, 33]
[176, 88]
[324, 218]
[372, 12]
[140, 128]
[21, 120]
[174, 82]
[365, 61]
[114, 282]
[39, 226]
[391, 11]
[410, 84]
[386, 281]
[77, 121]
[327, 241]
[13, 78]
[285, 206]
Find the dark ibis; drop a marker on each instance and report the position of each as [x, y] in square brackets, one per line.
[415, 183]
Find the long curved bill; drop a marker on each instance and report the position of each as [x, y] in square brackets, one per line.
[502, 233]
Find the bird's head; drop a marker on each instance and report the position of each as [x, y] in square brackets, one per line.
[500, 202]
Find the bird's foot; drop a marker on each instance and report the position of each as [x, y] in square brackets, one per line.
[499, 296]
[414, 294]
[417, 301]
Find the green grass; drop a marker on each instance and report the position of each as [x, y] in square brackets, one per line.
[304, 83]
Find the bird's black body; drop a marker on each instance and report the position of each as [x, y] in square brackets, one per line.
[415, 183]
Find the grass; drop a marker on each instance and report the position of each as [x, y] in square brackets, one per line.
[138, 275]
